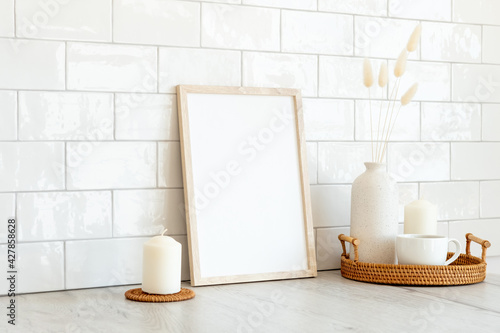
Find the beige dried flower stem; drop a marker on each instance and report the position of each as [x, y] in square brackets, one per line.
[379, 156]
[382, 82]
[368, 82]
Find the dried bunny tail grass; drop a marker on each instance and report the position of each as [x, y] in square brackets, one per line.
[414, 38]
[408, 96]
[367, 73]
[382, 75]
[400, 67]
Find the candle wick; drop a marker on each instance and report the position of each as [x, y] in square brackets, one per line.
[164, 231]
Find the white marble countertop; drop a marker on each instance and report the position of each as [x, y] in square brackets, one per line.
[324, 304]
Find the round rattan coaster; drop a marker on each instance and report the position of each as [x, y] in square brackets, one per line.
[140, 296]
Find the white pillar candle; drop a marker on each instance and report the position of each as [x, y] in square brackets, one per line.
[420, 218]
[161, 265]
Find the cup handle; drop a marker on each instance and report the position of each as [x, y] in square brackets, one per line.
[458, 248]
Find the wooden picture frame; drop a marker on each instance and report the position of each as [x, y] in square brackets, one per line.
[244, 152]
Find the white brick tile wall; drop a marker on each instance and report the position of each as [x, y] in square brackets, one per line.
[85, 215]
[65, 116]
[489, 228]
[281, 70]
[88, 20]
[106, 67]
[32, 64]
[148, 212]
[240, 27]
[438, 10]
[490, 199]
[90, 159]
[209, 67]
[451, 122]
[491, 47]
[8, 114]
[31, 166]
[7, 18]
[308, 32]
[419, 161]
[406, 128]
[475, 161]
[480, 11]
[295, 4]
[451, 42]
[455, 200]
[161, 22]
[328, 119]
[372, 34]
[475, 83]
[146, 117]
[375, 7]
[169, 164]
[491, 122]
[120, 165]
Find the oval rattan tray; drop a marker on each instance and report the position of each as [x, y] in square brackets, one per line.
[466, 269]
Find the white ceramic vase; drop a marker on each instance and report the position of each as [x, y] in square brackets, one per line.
[374, 215]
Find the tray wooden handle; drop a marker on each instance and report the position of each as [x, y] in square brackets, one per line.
[484, 244]
[354, 241]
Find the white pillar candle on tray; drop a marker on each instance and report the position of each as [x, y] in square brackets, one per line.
[420, 218]
[161, 265]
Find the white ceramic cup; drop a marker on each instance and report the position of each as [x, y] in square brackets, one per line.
[415, 249]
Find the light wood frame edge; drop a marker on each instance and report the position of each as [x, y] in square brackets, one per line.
[182, 110]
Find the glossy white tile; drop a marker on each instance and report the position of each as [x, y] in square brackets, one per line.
[434, 10]
[31, 166]
[106, 67]
[63, 215]
[329, 248]
[328, 119]
[169, 164]
[340, 77]
[8, 211]
[419, 161]
[206, 67]
[239, 27]
[7, 18]
[293, 4]
[491, 47]
[406, 120]
[107, 165]
[451, 42]
[451, 122]
[108, 262]
[309, 32]
[88, 20]
[331, 205]
[341, 162]
[148, 212]
[479, 11]
[160, 22]
[312, 162]
[279, 70]
[485, 229]
[475, 83]
[475, 161]
[433, 79]
[491, 122]
[146, 117]
[375, 7]
[382, 37]
[454, 200]
[490, 199]
[408, 192]
[40, 267]
[8, 114]
[65, 116]
[32, 64]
